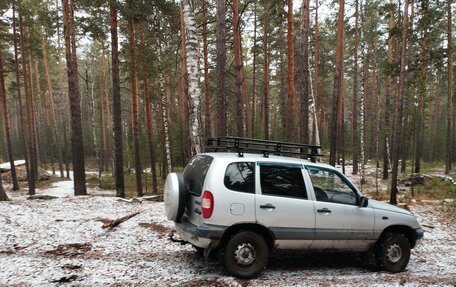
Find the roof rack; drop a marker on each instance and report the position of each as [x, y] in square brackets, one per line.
[265, 147]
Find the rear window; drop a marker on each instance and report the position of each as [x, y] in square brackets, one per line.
[195, 173]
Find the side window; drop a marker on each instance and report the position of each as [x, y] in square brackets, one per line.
[329, 186]
[240, 176]
[284, 181]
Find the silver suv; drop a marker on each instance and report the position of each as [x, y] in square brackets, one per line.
[245, 204]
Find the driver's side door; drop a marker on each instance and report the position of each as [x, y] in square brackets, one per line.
[339, 222]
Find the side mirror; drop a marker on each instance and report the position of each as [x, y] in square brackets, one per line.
[363, 202]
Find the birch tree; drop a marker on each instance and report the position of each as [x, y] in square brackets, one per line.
[194, 89]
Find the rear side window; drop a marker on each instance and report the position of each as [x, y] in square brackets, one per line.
[240, 176]
[284, 181]
[195, 173]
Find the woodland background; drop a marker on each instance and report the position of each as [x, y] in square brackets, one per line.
[133, 87]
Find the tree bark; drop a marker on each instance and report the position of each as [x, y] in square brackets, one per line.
[254, 63]
[398, 110]
[134, 101]
[305, 86]
[291, 103]
[193, 76]
[77, 143]
[337, 110]
[220, 68]
[6, 122]
[355, 141]
[317, 104]
[266, 74]
[238, 67]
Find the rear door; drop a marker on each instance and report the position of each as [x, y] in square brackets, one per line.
[283, 205]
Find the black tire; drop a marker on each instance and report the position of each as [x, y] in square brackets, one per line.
[393, 252]
[175, 196]
[245, 255]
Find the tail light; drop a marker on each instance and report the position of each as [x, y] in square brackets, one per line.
[207, 204]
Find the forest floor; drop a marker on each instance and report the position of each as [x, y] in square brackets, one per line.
[61, 242]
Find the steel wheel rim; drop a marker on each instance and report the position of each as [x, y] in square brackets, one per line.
[245, 254]
[394, 253]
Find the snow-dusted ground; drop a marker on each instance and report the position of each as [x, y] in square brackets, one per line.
[46, 241]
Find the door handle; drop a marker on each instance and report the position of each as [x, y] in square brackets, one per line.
[267, 206]
[324, 210]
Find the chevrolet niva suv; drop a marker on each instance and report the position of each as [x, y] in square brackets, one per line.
[245, 204]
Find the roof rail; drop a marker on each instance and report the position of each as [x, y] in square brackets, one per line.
[265, 147]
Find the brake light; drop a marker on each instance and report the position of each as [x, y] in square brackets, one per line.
[207, 204]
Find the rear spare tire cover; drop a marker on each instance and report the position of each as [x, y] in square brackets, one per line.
[174, 196]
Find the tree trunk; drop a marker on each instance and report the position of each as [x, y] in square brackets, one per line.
[388, 84]
[6, 122]
[55, 129]
[193, 76]
[398, 110]
[283, 70]
[254, 96]
[355, 141]
[77, 143]
[450, 114]
[207, 94]
[305, 86]
[337, 110]
[116, 103]
[422, 90]
[19, 94]
[31, 177]
[266, 74]
[237, 68]
[317, 103]
[220, 68]
[183, 95]
[134, 101]
[291, 103]
[3, 196]
[148, 103]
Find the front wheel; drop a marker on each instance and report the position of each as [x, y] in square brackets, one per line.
[393, 252]
[245, 255]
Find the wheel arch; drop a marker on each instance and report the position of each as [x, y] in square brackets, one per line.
[407, 231]
[257, 228]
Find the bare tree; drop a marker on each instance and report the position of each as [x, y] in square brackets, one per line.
[355, 137]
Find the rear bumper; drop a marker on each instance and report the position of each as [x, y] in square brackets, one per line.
[204, 236]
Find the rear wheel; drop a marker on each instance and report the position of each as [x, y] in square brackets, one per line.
[174, 196]
[393, 252]
[245, 255]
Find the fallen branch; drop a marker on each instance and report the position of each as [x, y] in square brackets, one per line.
[113, 223]
[141, 199]
[42, 196]
[428, 226]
